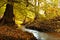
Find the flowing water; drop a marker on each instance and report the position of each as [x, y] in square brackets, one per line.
[38, 35]
[44, 36]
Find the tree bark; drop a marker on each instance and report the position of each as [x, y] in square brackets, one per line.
[8, 15]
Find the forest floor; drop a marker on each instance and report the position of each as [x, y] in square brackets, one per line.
[50, 27]
[8, 33]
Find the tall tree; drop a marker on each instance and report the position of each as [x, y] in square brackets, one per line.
[8, 14]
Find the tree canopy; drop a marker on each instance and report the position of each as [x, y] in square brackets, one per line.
[28, 9]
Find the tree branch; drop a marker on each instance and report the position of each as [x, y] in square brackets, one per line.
[23, 2]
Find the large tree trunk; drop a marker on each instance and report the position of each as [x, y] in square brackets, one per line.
[8, 15]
